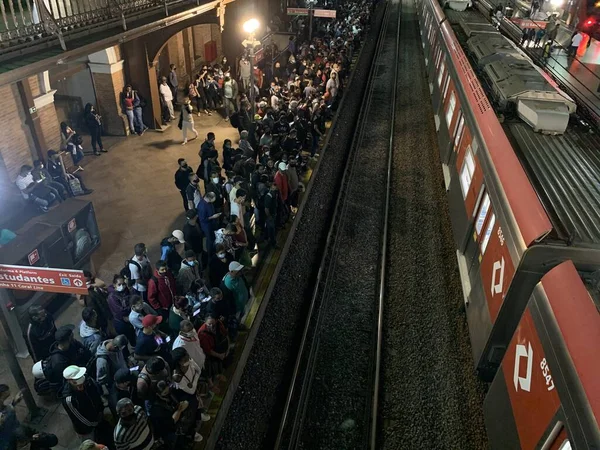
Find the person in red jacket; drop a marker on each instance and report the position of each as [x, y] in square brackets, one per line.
[162, 290]
[281, 181]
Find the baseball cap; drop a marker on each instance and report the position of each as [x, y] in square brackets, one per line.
[63, 333]
[282, 166]
[179, 235]
[151, 320]
[75, 373]
[234, 266]
[191, 213]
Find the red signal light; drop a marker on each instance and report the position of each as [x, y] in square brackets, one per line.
[589, 22]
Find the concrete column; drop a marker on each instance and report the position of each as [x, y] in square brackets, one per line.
[44, 103]
[109, 80]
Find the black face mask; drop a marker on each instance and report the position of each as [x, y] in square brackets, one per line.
[184, 166]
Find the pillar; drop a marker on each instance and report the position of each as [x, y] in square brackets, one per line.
[44, 103]
[109, 80]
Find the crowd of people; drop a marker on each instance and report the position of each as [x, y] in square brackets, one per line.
[154, 342]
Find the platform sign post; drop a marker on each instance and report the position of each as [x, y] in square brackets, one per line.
[26, 278]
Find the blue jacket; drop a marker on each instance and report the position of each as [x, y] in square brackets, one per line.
[205, 210]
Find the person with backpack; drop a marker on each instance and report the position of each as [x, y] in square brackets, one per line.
[109, 359]
[64, 352]
[155, 370]
[172, 249]
[162, 289]
[138, 271]
[40, 333]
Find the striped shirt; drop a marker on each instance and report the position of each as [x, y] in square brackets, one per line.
[136, 436]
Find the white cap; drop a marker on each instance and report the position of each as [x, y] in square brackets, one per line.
[75, 373]
[234, 266]
[37, 371]
[179, 235]
[282, 166]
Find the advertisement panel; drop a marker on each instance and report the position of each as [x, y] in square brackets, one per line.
[327, 13]
[42, 279]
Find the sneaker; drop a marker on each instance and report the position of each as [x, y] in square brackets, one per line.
[209, 113]
[198, 437]
[103, 150]
[143, 130]
[96, 153]
[80, 168]
[184, 142]
[44, 209]
[205, 417]
[226, 119]
[199, 114]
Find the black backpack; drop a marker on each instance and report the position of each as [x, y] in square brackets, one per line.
[126, 271]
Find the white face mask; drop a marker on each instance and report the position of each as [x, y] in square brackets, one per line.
[121, 288]
[215, 180]
[221, 255]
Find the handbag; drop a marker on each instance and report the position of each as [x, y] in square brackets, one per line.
[75, 186]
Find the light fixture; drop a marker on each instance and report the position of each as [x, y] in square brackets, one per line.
[250, 26]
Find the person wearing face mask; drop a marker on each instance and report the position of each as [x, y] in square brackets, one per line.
[208, 219]
[40, 333]
[42, 176]
[218, 265]
[188, 339]
[162, 289]
[215, 187]
[120, 307]
[215, 343]
[132, 431]
[182, 180]
[139, 309]
[227, 155]
[189, 272]
[109, 359]
[235, 283]
[178, 312]
[192, 233]
[123, 386]
[150, 341]
[192, 193]
[82, 401]
[186, 375]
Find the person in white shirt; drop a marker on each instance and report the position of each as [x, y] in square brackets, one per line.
[188, 339]
[139, 265]
[575, 43]
[186, 375]
[238, 208]
[28, 187]
[167, 96]
[332, 85]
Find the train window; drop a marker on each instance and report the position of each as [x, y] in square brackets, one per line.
[488, 233]
[565, 445]
[483, 210]
[460, 126]
[466, 173]
[441, 74]
[450, 110]
[446, 84]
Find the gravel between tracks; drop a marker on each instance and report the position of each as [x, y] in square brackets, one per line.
[431, 398]
[253, 417]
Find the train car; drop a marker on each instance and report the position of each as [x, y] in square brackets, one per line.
[521, 211]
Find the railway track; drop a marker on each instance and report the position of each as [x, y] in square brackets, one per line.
[333, 398]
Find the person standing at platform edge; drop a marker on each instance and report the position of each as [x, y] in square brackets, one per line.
[166, 96]
[182, 180]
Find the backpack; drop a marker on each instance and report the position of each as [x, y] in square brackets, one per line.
[126, 271]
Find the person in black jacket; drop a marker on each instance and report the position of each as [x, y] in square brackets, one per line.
[93, 121]
[218, 265]
[40, 333]
[66, 351]
[55, 168]
[124, 386]
[82, 400]
[182, 180]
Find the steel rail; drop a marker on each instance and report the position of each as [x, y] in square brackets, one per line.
[325, 269]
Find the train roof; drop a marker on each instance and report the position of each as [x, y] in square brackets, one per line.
[566, 173]
[565, 170]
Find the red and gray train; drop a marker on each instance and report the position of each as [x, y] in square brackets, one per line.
[525, 209]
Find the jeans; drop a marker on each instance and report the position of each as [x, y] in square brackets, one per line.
[57, 190]
[229, 106]
[39, 201]
[129, 113]
[210, 240]
[75, 152]
[138, 120]
[185, 200]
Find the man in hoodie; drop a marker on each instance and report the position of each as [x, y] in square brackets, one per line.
[64, 352]
[109, 359]
[90, 332]
[188, 273]
[40, 333]
[172, 247]
[162, 289]
[82, 402]
[188, 339]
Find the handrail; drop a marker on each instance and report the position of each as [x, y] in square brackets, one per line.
[24, 22]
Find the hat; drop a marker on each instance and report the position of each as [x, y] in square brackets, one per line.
[75, 373]
[282, 166]
[37, 370]
[191, 213]
[235, 266]
[151, 320]
[63, 333]
[179, 235]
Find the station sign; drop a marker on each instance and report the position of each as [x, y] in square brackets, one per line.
[528, 23]
[297, 11]
[327, 13]
[44, 279]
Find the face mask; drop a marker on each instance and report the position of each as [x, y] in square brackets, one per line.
[187, 364]
[215, 180]
[221, 255]
[185, 166]
[121, 288]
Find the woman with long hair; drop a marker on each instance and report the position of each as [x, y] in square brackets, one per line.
[71, 142]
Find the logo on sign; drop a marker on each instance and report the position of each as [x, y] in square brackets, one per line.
[523, 382]
[65, 282]
[498, 272]
[72, 225]
[77, 282]
[33, 257]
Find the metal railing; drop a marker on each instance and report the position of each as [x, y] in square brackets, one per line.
[24, 22]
